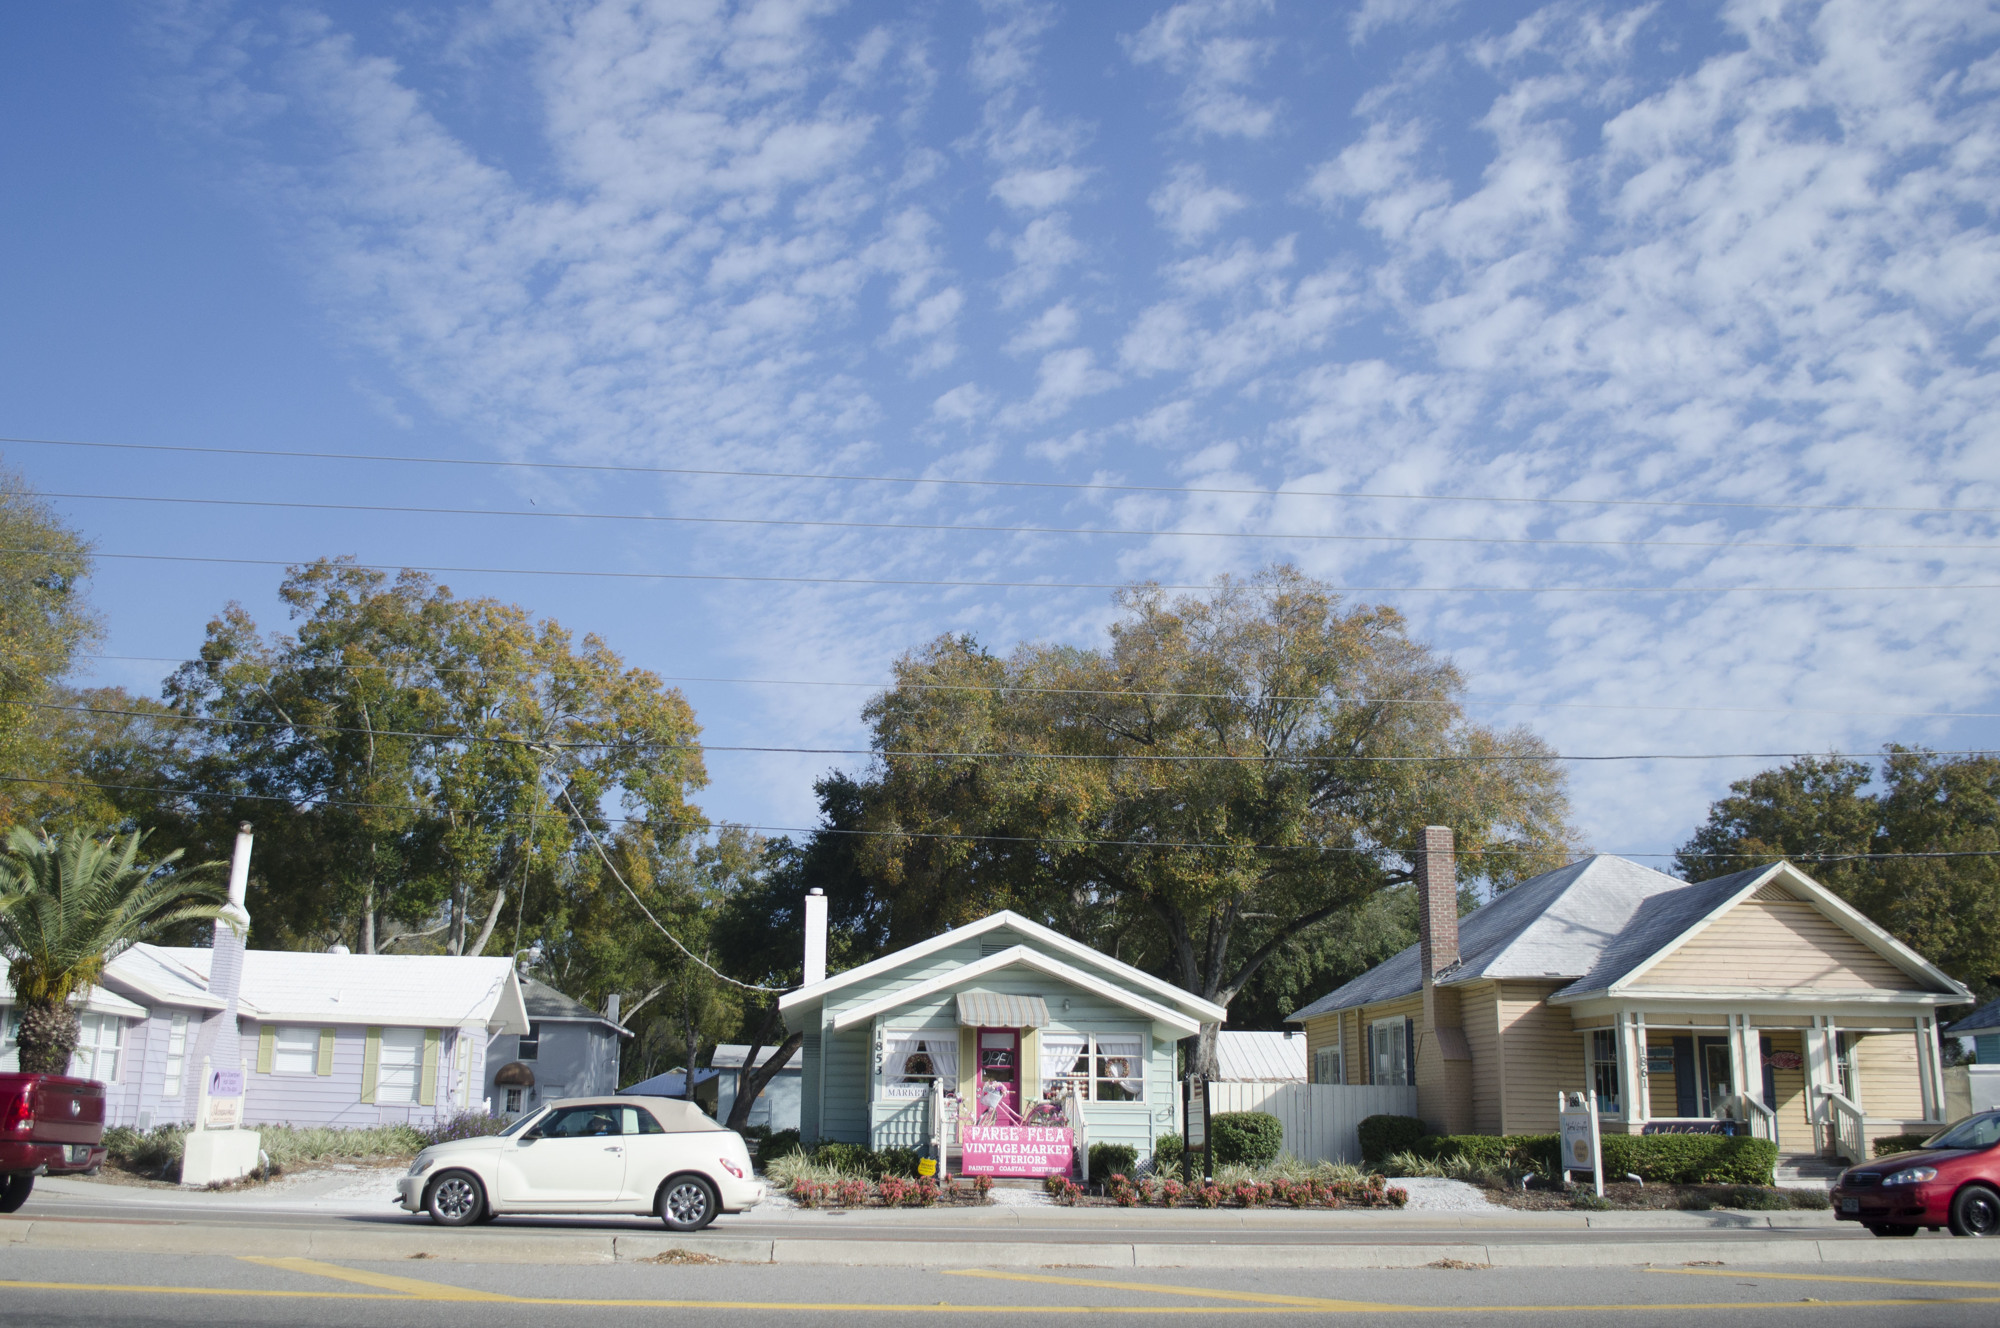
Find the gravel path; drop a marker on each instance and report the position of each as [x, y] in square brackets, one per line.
[1428, 1194]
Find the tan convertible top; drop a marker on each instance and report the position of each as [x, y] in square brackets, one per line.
[676, 1115]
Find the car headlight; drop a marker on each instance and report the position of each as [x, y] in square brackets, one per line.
[421, 1164]
[1911, 1176]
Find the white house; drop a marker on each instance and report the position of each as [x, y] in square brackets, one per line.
[777, 1107]
[568, 1050]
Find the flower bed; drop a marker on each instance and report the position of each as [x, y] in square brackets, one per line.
[889, 1192]
[1279, 1191]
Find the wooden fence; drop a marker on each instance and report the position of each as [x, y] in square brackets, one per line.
[1321, 1120]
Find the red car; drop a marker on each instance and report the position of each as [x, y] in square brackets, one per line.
[1952, 1181]
[49, 1124]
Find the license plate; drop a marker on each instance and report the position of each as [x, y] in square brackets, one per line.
[76, 1154]
[1850, 1205]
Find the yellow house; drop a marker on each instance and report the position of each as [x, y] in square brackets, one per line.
[1758, 998]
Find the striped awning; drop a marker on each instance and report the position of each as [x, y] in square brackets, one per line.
[990, 1009]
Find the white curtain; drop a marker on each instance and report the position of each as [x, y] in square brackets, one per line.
[1060, 1053]
[1120, 1063]
[912, 1060]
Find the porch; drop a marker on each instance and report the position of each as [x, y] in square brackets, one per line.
[1822, 1084]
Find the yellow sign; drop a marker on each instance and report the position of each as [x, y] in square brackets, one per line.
[927, 1166]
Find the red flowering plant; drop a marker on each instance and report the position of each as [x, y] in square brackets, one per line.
[1172, 1192]
[1122, 1191]
[808, 1193]
[892, 1189]
[925, 1195]
[1207, 1194]
[850, 1193]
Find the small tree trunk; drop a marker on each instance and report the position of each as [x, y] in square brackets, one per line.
[687, 1027]
[49, 1032]
[752, 1081]
[478, 946]
[368, 920]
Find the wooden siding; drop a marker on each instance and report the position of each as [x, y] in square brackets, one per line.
[1886, 1074]
[1403, 1007]
[1776, 947]
[1323, 1033]
[844, 1097]
[1479, 1008]
[1543, 1056]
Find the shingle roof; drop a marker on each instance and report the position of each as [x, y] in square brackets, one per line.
[1985, 1017]
[1255, 1056]
[1556, 925]
[1658, 920]
[545, 1002]
[423, 990]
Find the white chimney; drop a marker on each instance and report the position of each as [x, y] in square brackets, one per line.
[815, 936]
[611, 1004]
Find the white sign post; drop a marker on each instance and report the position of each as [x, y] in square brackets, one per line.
[1581, 1148]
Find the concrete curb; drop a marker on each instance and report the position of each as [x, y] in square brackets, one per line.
[594, 1248]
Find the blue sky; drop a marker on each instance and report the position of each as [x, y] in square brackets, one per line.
[1725, 254]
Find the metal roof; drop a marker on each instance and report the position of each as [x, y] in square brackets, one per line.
[1261, 1057]
[1985, 1017]
[991, 1009]
[1556, 925]
[545, 1002]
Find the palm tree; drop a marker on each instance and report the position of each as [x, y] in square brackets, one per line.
[68, 903]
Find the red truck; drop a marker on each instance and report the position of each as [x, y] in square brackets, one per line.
[50, 1124]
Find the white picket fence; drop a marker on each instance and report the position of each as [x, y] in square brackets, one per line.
[1321, 1120]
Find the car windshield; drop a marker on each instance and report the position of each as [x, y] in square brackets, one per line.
[1982, 1131]
[524, 1123]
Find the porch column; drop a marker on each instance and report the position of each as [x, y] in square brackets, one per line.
[1736, 1066]
[1931, 1058]
[1631, 1059]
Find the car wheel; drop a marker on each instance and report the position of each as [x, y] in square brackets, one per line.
[455, 1199]
[1975, 1211]
[14, 1191]
[1892, 1229]
[687, 1203]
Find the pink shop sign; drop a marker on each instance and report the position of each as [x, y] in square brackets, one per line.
[1015, 1150]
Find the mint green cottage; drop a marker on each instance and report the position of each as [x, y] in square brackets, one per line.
[1001, 1015]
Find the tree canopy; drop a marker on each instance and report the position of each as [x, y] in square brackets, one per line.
[44, 623]
[1827, 815]
[1233, 771]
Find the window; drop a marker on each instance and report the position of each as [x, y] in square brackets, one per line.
[513, 1101]
[1389, 1051]
[399, 1070]
[1604, 1068]
[1108, 1067]
[531, 1045]
[96, 1055]
[296, 1051]
[1326, 1066]
[636, 1121]
[912, 1062]
[581, 1123]
[177, 1036]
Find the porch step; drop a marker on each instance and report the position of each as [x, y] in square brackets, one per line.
[1806, 1172]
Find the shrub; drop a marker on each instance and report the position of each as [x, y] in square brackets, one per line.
[893, 1190]
[1171, 1192]
[1113, 1159]
[808, 1193]
[1248, 1137]
[1588, 1199]
[1899, 1143]
[1167, 1152]
[1755, 1198]
[897, 1162]
[1819, 1199]
[925, 1195]
[850, 1193]
[982, 1186]
[465, 1125]
[779, 1143]
[855, 1158]
[1121, 1190]
[1383, 1135]
[1670, 1159]
[1208, 1195]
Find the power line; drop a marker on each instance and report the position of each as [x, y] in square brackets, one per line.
[1488, 851]
[935, 527]
[1072, 486]
[1178, 758]
[1470, 698]
[940, 584]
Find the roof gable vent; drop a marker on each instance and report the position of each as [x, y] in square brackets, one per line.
[987, 949]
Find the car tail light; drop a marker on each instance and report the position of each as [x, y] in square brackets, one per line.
[731, 1167]
[20, 1113]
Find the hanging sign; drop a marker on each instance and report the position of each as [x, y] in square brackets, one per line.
[1015, 1150]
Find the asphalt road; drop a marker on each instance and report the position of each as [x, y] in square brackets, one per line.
[63, 1289]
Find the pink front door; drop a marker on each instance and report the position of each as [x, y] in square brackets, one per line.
[999, 1100]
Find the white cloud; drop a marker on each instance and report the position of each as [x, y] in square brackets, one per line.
[1190, 208]
[1194, 41]
[1371, 16]
[962, 405]
[1053, 326]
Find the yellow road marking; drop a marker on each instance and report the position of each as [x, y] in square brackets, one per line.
[1165, 1289]
[197, 1291]
[1829, 1277]
[409, 1286]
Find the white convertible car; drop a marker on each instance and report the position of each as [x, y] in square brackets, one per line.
[589, 1155]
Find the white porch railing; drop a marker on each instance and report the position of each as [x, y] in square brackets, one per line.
[1848, 1127]
[1762, 1120]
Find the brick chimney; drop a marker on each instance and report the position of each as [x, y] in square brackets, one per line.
[1443, 1072]
[1437, 903]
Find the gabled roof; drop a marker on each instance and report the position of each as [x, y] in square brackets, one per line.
[1023, 956]
[544, 1002]
[99, 1000]
[1555, 925]
[1600, 924]
[432, 991]
[1981, 1020]
[1120, 972]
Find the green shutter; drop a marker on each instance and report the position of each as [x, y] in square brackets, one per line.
[267, 1046]
[427, 1091]
[324, 1067]
[371, 1064]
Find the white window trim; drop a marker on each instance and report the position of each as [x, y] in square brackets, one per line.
[310, 1049]
[1086, 1084]
[176, 1057]
[1327, 1067]
[383, 1067]
[1399, 1058]
[1592, 1060]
